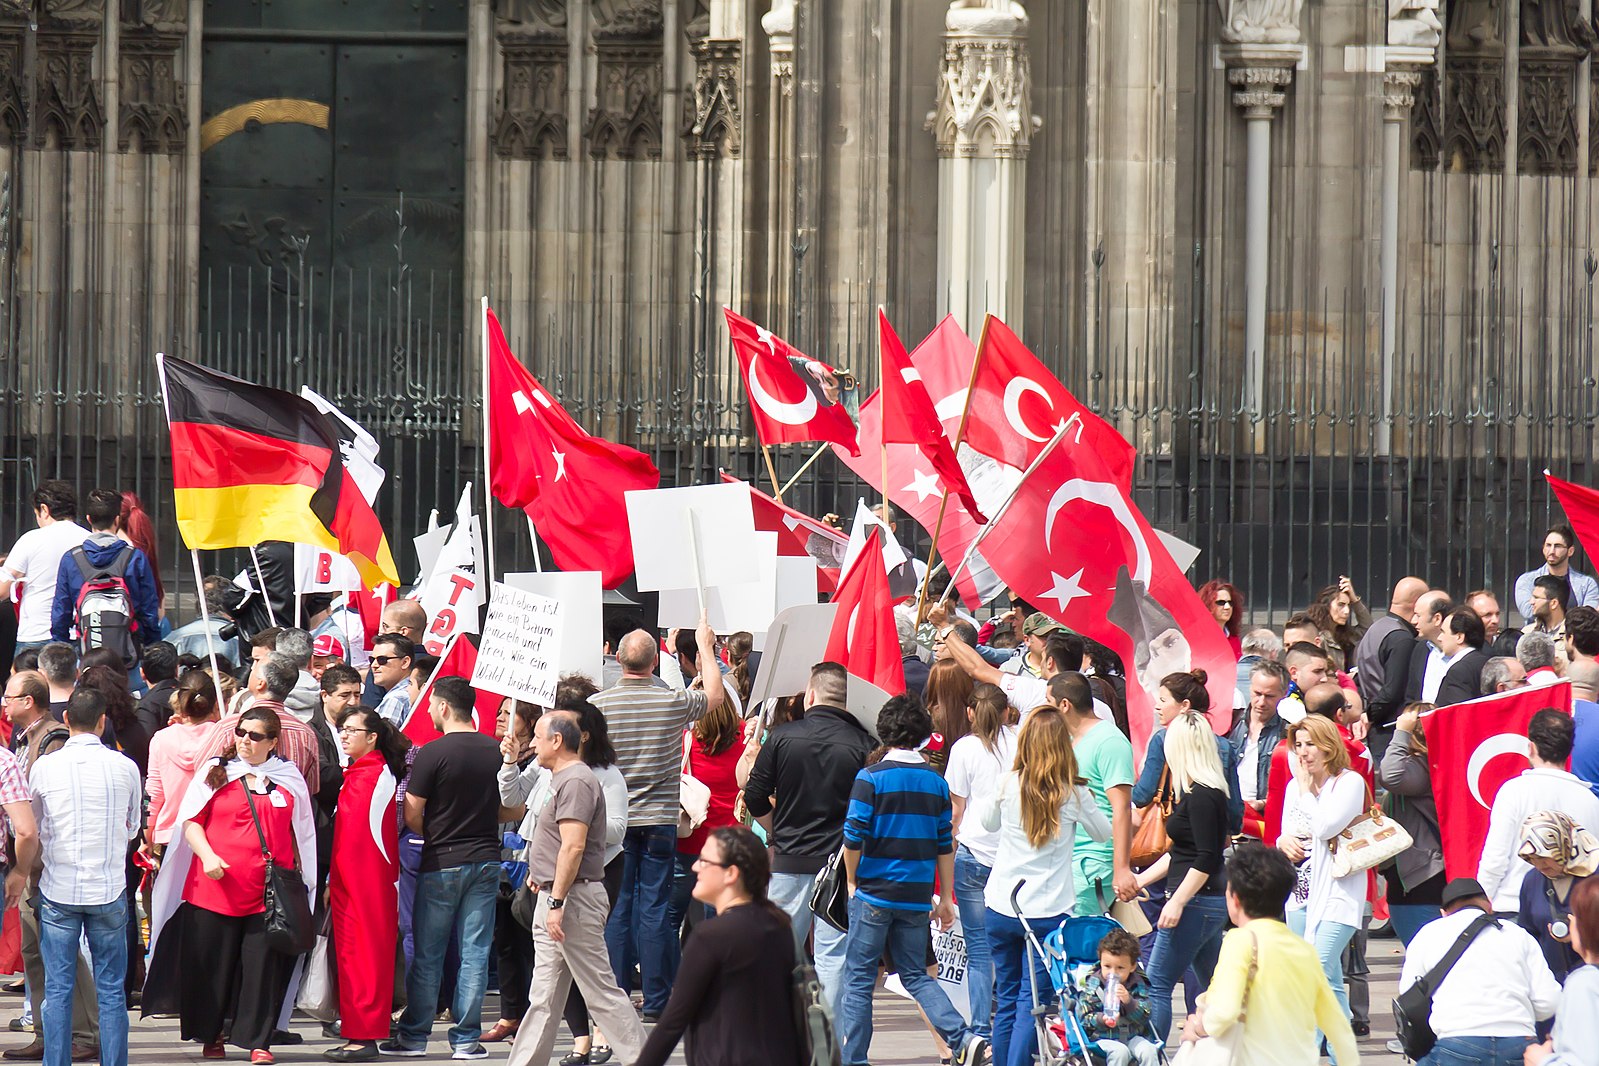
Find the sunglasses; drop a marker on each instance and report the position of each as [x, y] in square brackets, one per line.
[384, 660]
[259, 738]
[1224, 603]
[703, 861]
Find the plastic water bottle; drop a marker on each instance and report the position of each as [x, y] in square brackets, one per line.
[1113, 1002]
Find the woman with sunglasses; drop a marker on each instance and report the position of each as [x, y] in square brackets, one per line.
[211, 959]
[734, 992]
[1561, 853]
[362, 894]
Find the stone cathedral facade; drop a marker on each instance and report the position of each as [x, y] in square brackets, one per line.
[1159, 191]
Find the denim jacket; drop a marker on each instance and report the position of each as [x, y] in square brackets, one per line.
[1270, 735]
[1155, 761]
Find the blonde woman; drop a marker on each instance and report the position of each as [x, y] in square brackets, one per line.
[1195, 915]
[1036, 812]
[1332, 795]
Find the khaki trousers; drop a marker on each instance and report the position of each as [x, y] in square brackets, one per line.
[580, 958]
[85, 1005]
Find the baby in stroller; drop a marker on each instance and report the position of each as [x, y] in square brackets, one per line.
[1113, 1005]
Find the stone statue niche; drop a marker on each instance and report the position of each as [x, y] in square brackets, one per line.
[1473, 26]
[1414, 23]
[1260, 21]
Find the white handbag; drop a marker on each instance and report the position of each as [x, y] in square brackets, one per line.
[1221, 1050]
[693, 795]
[1370, 840]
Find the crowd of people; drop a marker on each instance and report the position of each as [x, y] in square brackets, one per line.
[650, 857]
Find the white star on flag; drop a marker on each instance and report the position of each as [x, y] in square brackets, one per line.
[764, 336]
[1065, 589]
[560, 471]
[924, 485]
[522, 403]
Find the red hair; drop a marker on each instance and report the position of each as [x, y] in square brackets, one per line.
[1208, 592]
[135, 523]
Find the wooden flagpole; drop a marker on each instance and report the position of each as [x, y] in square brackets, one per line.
[772, 471]
[960, 435]
[817, 454]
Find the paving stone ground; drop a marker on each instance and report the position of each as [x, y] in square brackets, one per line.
[900, 1039]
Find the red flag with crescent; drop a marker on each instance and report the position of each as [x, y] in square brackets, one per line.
[792, 396]
[910, 417]
[1075, 546]
[459, 660]
[863, 638]
[1473, 748]
[798, 534]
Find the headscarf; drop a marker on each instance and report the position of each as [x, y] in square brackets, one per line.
[1553, 835]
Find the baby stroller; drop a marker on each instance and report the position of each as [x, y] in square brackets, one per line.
[1066, 953]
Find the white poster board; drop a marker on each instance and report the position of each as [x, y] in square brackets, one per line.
[659, 520]
[796, 641]
[521, 637]
[748, 605]
[582, 634]
[428, 546]
[797, 586]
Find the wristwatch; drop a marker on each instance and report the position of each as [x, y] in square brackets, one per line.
[556, 904]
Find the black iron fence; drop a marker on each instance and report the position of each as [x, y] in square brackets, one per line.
[1318, 476]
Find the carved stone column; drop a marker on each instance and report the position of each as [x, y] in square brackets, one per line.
[1262, 52]
[983, 126]
[779, 26]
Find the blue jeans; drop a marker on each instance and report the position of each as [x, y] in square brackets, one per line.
[684, 907]
[1477, 1051]
[637, 932]
[1330, 939]
[905, 935]
[458, 900]
[1192, 942]
[971, 877]
[61, 927]
[792, 892]
[1015, 1036]
[1407, 918]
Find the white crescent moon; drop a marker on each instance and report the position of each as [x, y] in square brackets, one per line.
[1013, 405]
[1108, 496]
[790, 414]
[849, 633]
[1495, 746]
[951, 406]
[382, 808]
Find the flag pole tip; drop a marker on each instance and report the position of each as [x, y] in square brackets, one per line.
[1546, 472]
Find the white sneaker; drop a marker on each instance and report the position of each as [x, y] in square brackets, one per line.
[471, 1051]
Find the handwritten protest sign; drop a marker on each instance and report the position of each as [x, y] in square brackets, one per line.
[521, 643]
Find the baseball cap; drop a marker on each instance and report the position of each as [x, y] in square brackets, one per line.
[1039, 624]
[1463, 888]
[327, 644]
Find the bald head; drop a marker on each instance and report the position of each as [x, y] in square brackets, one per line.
[637, 653]
[405, 617]
[1584, 677]
[1327, 700]
[1406, 593]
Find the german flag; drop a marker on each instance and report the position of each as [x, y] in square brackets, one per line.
[251, 463]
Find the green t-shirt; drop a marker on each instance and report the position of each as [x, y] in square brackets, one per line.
[1105, 760]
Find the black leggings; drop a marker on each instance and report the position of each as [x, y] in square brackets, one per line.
[577, 1012]
[513, 960]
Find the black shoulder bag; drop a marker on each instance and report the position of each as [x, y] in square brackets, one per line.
[289, 928]
[1413, 1007]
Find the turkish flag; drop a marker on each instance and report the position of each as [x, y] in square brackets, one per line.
[570, 484]
[798, 534]
[1472, 749]
[1017, 405]
[1075, 546]
[369, 603]
[458, 660]
[863, 638]
[793, 397]
[1581, 505]
[944, 359]
[909, 417]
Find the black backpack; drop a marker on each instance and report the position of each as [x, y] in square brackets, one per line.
[104, 611]
[1413, 1007]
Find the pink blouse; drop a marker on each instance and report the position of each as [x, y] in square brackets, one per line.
[174, 757]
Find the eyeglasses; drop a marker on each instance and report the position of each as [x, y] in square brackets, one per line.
[20, 696]
[350, 731]
[259, 738]
[703, 861]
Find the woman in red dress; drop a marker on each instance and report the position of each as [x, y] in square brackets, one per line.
[362, 892]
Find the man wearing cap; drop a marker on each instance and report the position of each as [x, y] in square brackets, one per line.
[1029, 657]
[325, 651]
[1487, 1007]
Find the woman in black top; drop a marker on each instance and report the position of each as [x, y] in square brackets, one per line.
[1195, 915]
[734, 993]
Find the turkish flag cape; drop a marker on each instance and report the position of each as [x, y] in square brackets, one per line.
[458, 660]
[569, 483]
[798, 534]
[363, 896]
[1472, 749]
[944, 360]
[1075, 546]
[793, 397]
[863, 638]
[909, 417]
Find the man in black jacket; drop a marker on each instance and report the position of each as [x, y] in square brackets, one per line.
[1462, 641]
[1382, 662]
[800, 787]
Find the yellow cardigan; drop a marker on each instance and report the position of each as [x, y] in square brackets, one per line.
[1289, 1000]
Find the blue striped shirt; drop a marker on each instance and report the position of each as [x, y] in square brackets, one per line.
[899, 820]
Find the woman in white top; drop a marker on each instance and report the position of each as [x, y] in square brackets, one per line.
[976, 763]
[1036, 812]
[1332, 796]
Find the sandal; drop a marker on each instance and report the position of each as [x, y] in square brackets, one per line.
[500, 1031]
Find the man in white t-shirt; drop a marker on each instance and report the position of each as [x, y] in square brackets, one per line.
[35, 559]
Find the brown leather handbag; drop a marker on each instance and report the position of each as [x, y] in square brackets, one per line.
[1150, 842]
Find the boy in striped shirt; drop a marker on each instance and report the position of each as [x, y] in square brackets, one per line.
[897, 837]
